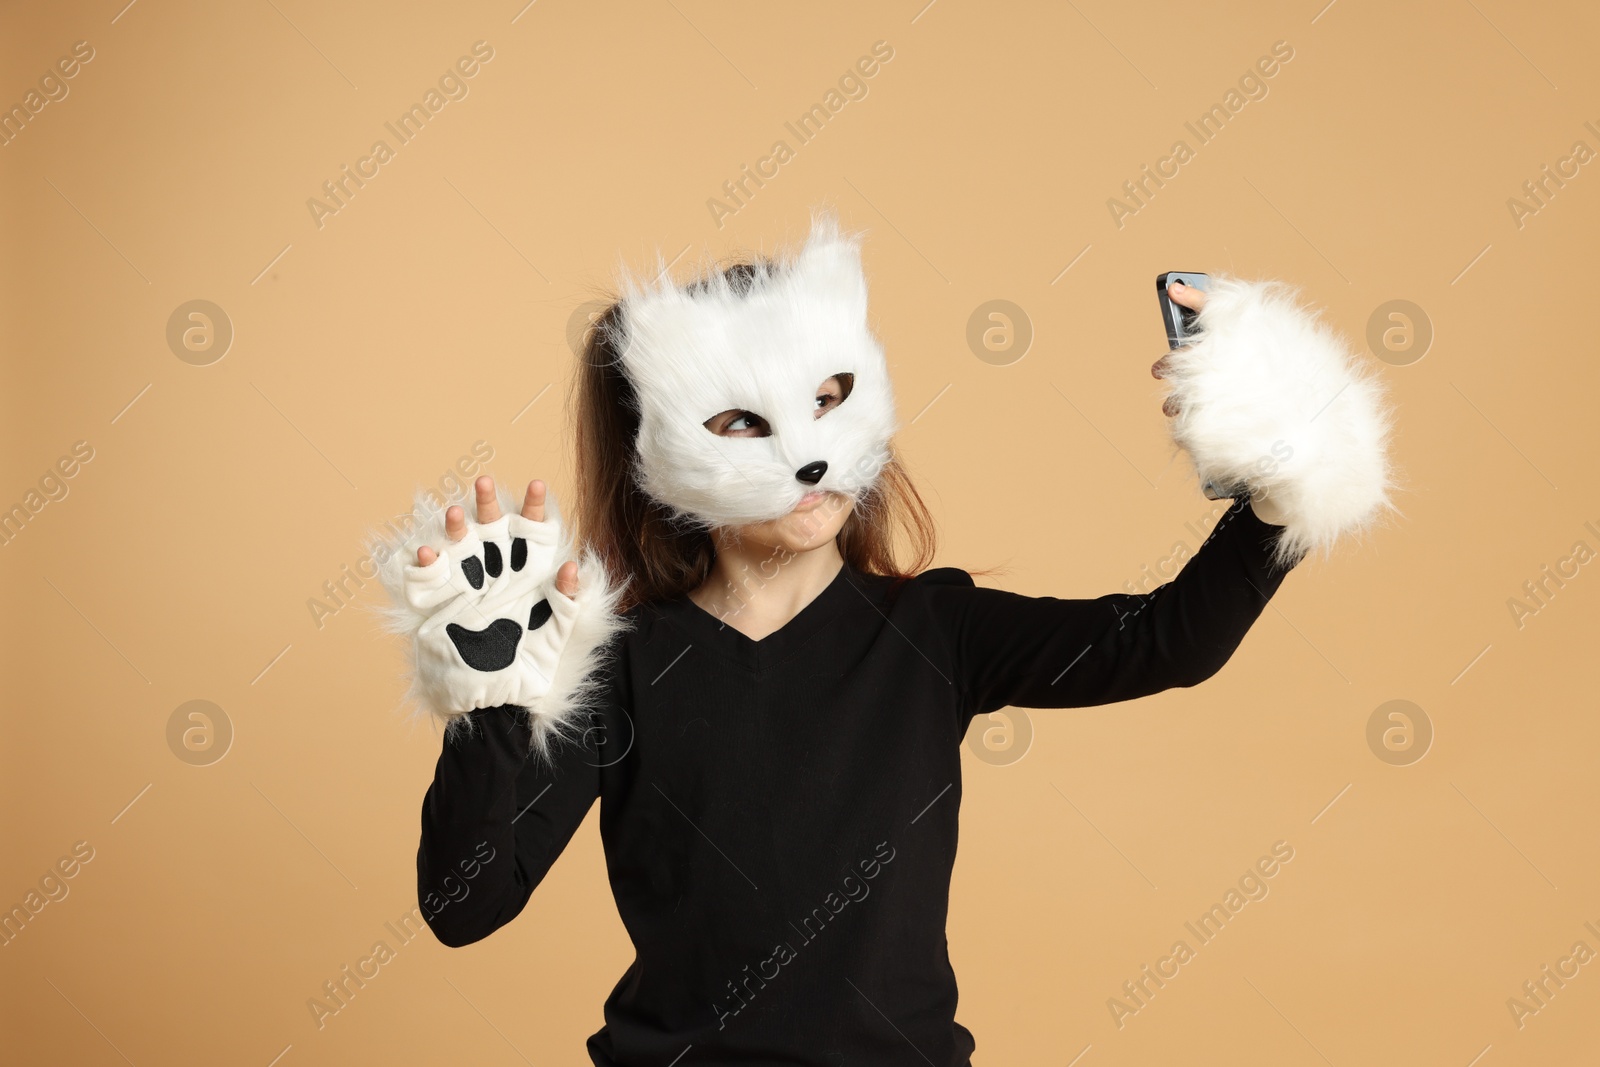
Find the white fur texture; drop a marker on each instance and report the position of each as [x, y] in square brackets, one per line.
[692, 355]
[1271, 397]
[556, 674]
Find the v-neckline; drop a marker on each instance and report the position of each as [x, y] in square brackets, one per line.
[756, 655]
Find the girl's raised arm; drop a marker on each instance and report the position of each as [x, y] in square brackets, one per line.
[509, 625]
[493, 823]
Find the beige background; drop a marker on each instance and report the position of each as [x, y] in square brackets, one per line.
[372, 352]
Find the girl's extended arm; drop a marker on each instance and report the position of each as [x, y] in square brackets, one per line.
[1267, 398]
[1047, 652]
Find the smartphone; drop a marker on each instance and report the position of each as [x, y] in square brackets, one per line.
[1178, 319]
[1180, 324]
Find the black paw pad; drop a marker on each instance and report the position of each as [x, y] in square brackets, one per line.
[472, 568]
[493, 648]
[540, 615]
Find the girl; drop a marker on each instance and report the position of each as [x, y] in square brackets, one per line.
[768, 702]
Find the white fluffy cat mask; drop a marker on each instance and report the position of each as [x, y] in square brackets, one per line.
[695, 351]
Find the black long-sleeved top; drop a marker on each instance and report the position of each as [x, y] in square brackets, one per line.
[780, 816]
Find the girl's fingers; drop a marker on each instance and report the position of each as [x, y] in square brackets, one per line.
[1187, 295]
[488, 501]
[455, 526]
[567, 578]
[455, 517]
[455, 522]
[1158, 369]
[533, 502]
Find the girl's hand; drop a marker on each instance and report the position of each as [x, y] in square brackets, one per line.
[1193, 299]
[455, 524]
[502, 608]
[1266, 509]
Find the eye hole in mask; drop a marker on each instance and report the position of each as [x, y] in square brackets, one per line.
[738, 423]
[834, 392]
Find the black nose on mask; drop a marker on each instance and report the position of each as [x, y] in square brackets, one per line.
[812, 473]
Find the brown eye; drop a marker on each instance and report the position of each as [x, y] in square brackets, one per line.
[833, 392]
[738, 423]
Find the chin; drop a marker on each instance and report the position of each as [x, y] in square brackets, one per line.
[816, 524]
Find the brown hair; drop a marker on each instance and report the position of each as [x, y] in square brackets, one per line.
[638, 538]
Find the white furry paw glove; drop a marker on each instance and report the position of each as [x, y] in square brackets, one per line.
[488, 626]
[1272, 400]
